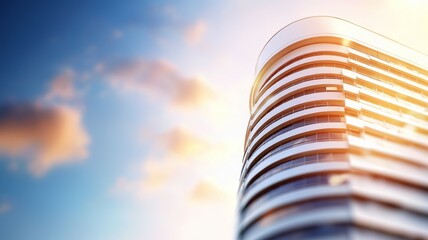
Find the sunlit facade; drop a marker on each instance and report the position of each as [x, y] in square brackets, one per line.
[337, 141]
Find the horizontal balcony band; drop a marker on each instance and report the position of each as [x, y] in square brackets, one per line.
[292, 173]
[332, 215]
[390, 75]
[401, 171]
[298, 123]
[317, 111]
[289, 163]
[389, 148]
[298, 150]
[315, 97]
[293, 133]
[378, 98]
[305, 73]
[398, 133]
[294, 70]
[412, 73]
[293, 89]
[306, 50]
[290, 114]
[387, 113]
[399, 222]
[363, 79]
[301, 195]
[320, 29]
[390, 193]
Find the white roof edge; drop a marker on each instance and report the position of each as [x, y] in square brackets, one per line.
[318, 26]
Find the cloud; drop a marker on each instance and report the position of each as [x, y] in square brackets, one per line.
[206, 191]
[180, 143]
[5, 207]
[46, 136]
[160, 81]
[195, 32]
[152, 178]
[62, 86]
[179, 149]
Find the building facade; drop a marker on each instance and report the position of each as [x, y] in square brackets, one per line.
[337, 142]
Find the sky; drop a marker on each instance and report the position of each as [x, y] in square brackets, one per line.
[126, 119]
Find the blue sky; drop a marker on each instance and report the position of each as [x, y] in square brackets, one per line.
[126, 120]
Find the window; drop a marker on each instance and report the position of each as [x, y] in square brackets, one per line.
[311, 138]
[323, 136]
[310, 120]
[322, 119]
[334, 118]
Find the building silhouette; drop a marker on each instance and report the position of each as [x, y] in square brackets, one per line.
[337, 142]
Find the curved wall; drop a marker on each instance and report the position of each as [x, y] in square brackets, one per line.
[337, 112]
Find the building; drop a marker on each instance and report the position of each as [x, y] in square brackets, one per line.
[337, 141]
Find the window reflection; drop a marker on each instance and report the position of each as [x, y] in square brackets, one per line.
[293, 142]
[288, 210]
[291, 185]
[294, 110]
[308, 159]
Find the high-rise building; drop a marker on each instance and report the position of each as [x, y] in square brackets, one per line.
[337, 141]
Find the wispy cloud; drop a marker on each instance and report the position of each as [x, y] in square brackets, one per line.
[47, 136]
[160, 81]
[62, 86]
[195, 32]
[206, 191]
[181, 144]
[178, 150]
[151, 180]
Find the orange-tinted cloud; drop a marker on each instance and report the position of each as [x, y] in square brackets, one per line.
[46, 136]
[62, 87]
[180, 143]
[206, 191]
[195, 32]
[178, 147]
[154, 176]
[160, 81]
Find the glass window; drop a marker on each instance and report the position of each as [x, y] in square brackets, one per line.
[298, 141]
[333, 118]
[339, 156]
[299, 94]
[299, 124]
[323, 136]
[311, 158]
[322, 119]
[299, 108]
[310, 120]
[309, 91]
[311, 138]
[324, 156]
[319, 89]
[336, 136]
[310, 105]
